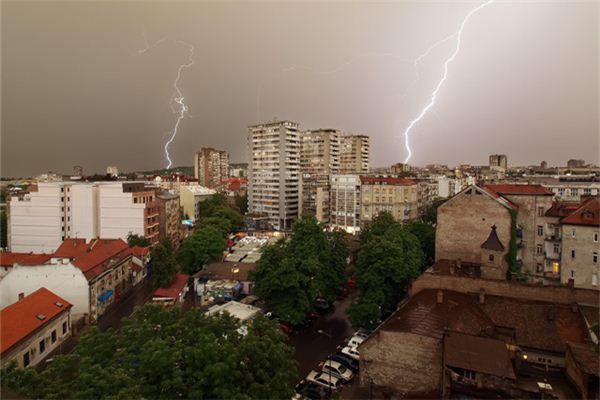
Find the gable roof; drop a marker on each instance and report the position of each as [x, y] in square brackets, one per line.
[587, 214]
[516, 189]
[20, 319]
[488, 193]
[72, 248]
[493, 241]
[93, 263]
[585, 357]
[561, 209]
[174, 289]
[8, 259]
[140, 251]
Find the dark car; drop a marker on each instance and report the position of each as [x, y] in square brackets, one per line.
[321, 305]
[346, 361]
[311, 390]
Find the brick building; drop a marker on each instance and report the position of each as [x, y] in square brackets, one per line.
[211, 166]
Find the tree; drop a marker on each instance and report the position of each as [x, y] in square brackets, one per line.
[205, 245]
[137, 240]
[426, 235]
[430, 214]
[241, 202]
[164, 264]
[167, 354]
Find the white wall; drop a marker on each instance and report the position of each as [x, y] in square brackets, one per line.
[118, 214]
[65, 280]
[84, 200]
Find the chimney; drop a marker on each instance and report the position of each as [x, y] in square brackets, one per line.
[440, 297]
[21, 296]
[481, 296]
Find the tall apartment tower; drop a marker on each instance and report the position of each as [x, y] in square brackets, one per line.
[274, 172]
[499, 161]
[211, 166]
[355, 154]
[319, 158]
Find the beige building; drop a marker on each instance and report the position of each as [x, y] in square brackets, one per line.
[319, 158]
[580, 246]
[190, 197]
[169, 216]
[394, 195]
[355, 154]
[345, 203]
[274, 172]
[498, 161]
[33, 327]
[211, 167]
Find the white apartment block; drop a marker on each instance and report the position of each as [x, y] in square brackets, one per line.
[39, 221]
[355, 154]
[211, 167]
[273, 172]
[345, 203]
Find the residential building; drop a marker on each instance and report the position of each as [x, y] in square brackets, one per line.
[394, 195]
[39, 221]
[190, 197]
[140, 261]
[345, 203]
[498, 161]
[580, 232]
[355, 154]
[112, 171]
[274, 172]
[239, 170]
[573, 163]
[173, 182]
[33, 327]
[174, 294]
[211, 166]
[319, 158]
[427, 192]
[447, 187]
[169, 216]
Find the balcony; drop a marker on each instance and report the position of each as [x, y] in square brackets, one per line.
[550, 255]
[552, 237]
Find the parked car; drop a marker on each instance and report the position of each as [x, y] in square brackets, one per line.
[355, 341]
[347, 361]
[328, 381]
[311, 390]
[362, 332]
[322, 305]
[351, 351]
[337, 369]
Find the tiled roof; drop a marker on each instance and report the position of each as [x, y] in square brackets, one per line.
[371, 180]
[93, 263]
[173, 290]
[234, 183]
[8, 259]
[528, 190]
[140, 251]
[20, 319]
[71, 248]
[479, 354]
[587, 214]
[493, 241]
[585, 357]
[561, 209]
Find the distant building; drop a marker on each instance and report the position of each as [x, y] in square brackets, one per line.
[394, 195]
[169, 216]
[573, 163]
[239, 170]
[543, 165]
[274, 172]
[355, 154]
[190, 197]
[113, 171]
[319, 158]
[399, 168]
[211, 166]
[78, 171]
[345, 203]
[499, 161]
[33, 327]
[447, 187]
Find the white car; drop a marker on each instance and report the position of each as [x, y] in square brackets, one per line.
[355, 341]
[363, 333]
[324, 379]
[338, 370]
[351, 351]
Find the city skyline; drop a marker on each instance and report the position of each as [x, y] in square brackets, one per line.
[77, 93]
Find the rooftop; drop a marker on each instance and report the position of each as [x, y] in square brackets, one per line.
[174, 289]
[100, 252]
[371, 180]
[224, 271]
[22, 318]
[516, 189]
[8, 259]
[243, 312]
[585, 357]
[493, 242]
[587, 214]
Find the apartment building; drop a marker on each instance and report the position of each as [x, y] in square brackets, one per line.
[211, 166]
[319, 158]
[394, 195]
[427, 192]
[498, 161]
[355, 154]
[190, 197]
[41, 219]
[345, 203]
[33, 327]
[169, 216]
[274, 172]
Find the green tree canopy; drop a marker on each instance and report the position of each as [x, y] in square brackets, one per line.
[426, 235]
[164, 264]
[166, 354]
[137, 240]
[204, 246]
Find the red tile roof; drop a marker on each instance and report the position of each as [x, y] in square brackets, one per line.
[72, 248]
[561, 209]
[587, 214]
[174, 289]
[8, 259]
[101, 250]
[515, 189]
[234, 183]
[140, 251]
[20, 319]
[371, 180]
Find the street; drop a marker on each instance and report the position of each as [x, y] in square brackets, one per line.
[314, 344]
[139, 295]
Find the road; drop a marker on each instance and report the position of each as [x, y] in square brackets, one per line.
[313, 347]
[139, 295]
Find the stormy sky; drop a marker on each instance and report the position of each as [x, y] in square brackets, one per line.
[76, 91]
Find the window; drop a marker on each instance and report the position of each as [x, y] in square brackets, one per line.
[595, 237]
[540, 211]
[556, 248]
[555, 268]
[26, 358]
[539, 250]
[595, 257]
[491, 257]
[572, 253]
[572, 274]
[53, 336]
[573, 233]
[64, 328]
[42, 346]
[540, 230]
[538, 267]
[594, 279]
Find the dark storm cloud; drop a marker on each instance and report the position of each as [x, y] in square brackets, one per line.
[74, 90]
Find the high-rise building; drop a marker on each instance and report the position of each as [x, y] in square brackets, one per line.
[320, 157]
[355, 154]
[498, 161]
[345, 203]
[211, 166]
[273, 172]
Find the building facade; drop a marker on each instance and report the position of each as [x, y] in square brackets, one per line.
[211, 166]
[345, 203]
[169, 216]
[355, 154]
[274, 172]
[394, 195]
[190, 197]
[498, 161]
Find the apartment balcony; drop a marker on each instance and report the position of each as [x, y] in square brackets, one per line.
[552, 237]
[552, 256]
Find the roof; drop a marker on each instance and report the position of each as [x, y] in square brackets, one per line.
[424, 316]
[371, 180]
[243, 312]
[8, 259]
[199, 190]
[588, 214]
[585, 357]
[493, 242]
[517, 189]
[223, 270]
[140, 251]
[234, 183]
[101, 252]
[561, 209]
[20, 319]
[479, 354]
[72, 248]
[174, 289]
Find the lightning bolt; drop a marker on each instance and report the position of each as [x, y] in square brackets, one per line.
[444, 76]
[177, 96]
